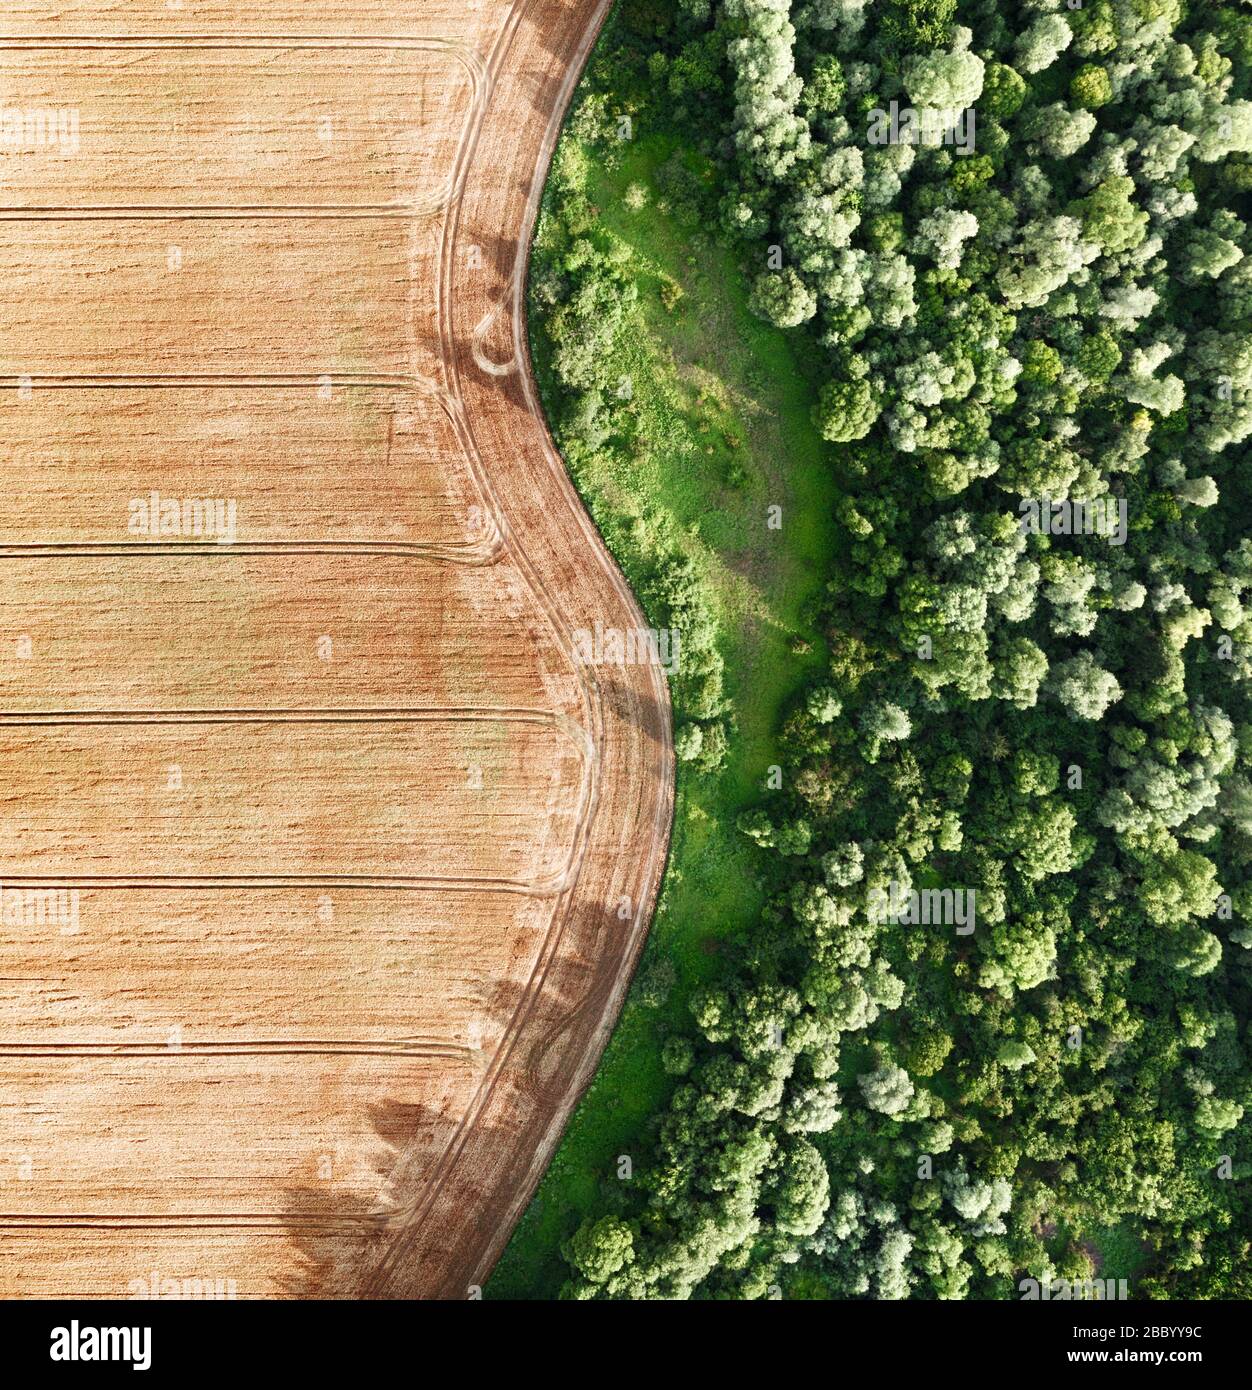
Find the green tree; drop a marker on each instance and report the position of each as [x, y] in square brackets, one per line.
[846, 410]
[598, 1249]
[782, 298]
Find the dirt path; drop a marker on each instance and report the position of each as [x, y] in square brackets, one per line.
[327, 861]
[582, 982]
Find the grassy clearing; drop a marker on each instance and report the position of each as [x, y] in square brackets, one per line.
[1120, 1254]
[723, 407]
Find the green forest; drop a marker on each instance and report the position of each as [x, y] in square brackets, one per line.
[902, 352]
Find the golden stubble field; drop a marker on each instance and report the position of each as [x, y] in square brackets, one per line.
[323, 862]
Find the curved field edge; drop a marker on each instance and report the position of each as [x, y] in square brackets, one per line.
[466, 1206]
[710, 429]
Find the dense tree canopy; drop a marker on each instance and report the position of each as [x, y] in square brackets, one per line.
[1052, 718]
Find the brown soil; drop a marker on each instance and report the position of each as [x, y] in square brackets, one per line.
[325, 864]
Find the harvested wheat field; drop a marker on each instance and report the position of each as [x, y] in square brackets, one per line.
[325, 862]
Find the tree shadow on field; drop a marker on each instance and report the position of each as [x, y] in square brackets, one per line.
[347, 1245]
[332, 1231]
[338, 1236]
[498, 253]
[550, 44]
[634, 703]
